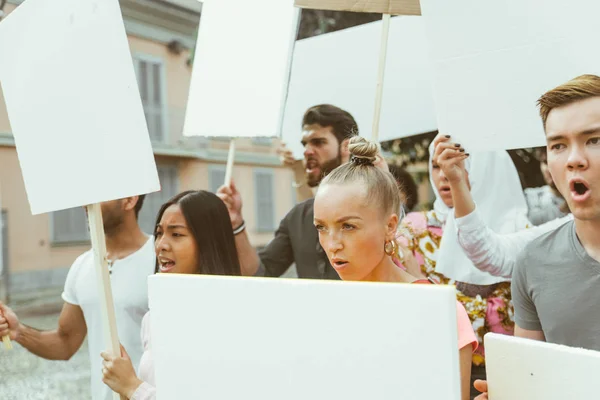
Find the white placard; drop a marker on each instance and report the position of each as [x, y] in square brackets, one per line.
[527, 369]
[241, 68]
[340, 68]
[295, 339]
[493, 59]
[73, 104]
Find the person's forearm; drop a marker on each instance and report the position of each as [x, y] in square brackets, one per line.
[465, 356]
[249, 261]
[303, 191]
[46, 344]
[491, 252]
[462, 199]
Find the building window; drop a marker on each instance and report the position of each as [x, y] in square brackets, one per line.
[216, 177]
[169, 183]
[69, 226]
[151, 82]
[265, 204]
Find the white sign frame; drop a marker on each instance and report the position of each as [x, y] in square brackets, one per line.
[520, 368]
[487, 83]
[71, 150]
[232, 98]
[282, 338]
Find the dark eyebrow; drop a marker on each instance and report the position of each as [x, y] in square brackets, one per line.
[587, 132]
[590, 132]
[554, 138]
[172, 227]
[317, 139]
[176, 226]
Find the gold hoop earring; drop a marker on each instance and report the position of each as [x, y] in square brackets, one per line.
[390, 248]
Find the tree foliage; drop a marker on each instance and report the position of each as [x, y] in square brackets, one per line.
[317, 22]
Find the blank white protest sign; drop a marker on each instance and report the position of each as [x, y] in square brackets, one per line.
[74, 105]
[340, 68]
[241, 68]
[493, 59]
[527, 369]
[295, 339]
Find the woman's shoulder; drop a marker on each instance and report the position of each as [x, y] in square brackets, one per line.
[466, 334]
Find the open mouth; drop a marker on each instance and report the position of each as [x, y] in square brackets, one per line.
[338, 264]
[165, 264]
[311, 166]
[580, 189]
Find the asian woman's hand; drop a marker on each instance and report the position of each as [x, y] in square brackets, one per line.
[118, 373]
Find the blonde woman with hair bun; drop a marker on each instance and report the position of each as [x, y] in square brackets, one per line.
[357, 211]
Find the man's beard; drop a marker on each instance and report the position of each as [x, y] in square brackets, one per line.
[324, 170]
[112, 223]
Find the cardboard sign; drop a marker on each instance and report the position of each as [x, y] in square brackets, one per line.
[394, 7]
[346, 76]
[74, 105]
[241, 68]
[492, 60]
[302, 339]
[527, 369]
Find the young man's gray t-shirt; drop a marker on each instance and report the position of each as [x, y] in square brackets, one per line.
[556, 289]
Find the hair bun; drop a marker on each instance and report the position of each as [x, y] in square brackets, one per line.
[362, 151]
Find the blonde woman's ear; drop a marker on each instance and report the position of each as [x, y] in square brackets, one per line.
[392, 227]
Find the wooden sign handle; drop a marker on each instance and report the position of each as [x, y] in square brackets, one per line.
[107, 306]
[385, 33]
[230, 158]
[7, 343]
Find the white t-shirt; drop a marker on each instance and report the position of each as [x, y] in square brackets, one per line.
[128, 280]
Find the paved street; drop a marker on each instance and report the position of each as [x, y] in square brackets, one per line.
[26, 377]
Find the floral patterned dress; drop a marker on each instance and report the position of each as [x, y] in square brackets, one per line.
[489, 308]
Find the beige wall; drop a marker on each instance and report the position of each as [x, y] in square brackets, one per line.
[4, 124]
[29, 236]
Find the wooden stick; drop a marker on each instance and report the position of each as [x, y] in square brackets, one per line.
[7, 343]
[385, 32]
[107, 306]
[230, 158]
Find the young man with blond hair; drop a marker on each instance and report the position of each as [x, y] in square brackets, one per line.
[556, 279]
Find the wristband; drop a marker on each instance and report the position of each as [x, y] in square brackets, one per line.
[240, 228]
